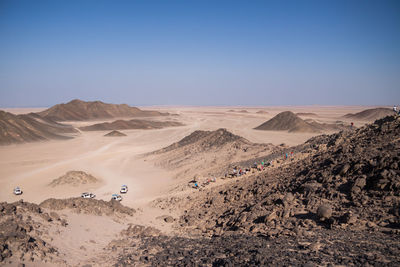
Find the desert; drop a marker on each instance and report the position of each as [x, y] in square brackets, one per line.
[199, 133]
[207, 185]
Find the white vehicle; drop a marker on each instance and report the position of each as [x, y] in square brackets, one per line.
[88, 195]
[17, 191]
[124, 189]
[116, 197]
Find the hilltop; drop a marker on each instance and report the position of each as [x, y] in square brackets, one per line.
[287, 121]
[370, 114]
[78, 110]
[131, 124]
[30, 127]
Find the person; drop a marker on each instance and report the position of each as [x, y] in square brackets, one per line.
[351, 125]
[395, 109]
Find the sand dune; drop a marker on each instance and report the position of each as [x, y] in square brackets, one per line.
[30, 127]
[77, 110]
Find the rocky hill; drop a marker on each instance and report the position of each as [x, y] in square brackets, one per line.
[115, 134]
[131, 124]
[207, 152]
[370, 114]
[288, 121]
[74, 178]
[78, 110]
[30, 127]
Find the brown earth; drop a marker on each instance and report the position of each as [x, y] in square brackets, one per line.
[78, 110]
[370, 114]
[30, 127]
[115, 134]
[131, 124]
[74, 178]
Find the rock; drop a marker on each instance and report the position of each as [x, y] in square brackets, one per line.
[324, 212]
[168, 219]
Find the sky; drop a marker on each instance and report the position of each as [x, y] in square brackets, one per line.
[260, 53]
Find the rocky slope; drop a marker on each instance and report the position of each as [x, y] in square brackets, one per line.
[78, 110]
[205, 153]
[22, 229]
[370, 114]
[338, 206]
[29, 128]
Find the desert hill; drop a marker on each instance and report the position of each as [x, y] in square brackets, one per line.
[288, 121]
[131, 124]
[370, 114]
[262, 112]
[74, 178]
[208, 152]
[115, 133]
[30, 127]
[78, 110]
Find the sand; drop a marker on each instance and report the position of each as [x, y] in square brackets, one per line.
[118, 161]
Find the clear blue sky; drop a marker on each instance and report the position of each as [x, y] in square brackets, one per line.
[200, 52]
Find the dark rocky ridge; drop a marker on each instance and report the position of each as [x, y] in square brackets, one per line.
[131, 124]
[30, 127]
[78, 110]
[88, 206]
[370, 114]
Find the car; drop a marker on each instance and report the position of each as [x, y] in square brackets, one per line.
[17, 191]
[116, 197]
[124, 189]
[88, 195]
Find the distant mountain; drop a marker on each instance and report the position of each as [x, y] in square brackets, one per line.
[30, 127]
[78, 110]
[370, 114]
[288, 121]
[131, 124]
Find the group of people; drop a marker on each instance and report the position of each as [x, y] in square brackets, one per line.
[196, 185]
